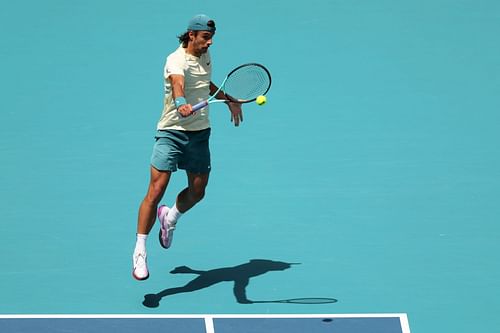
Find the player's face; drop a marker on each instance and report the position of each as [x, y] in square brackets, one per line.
[201, 41]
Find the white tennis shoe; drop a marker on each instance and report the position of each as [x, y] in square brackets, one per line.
[140, 271]
[166, 230]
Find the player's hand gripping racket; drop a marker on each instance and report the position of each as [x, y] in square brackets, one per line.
[242, 85]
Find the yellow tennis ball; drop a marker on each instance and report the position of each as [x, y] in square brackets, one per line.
[261, 100]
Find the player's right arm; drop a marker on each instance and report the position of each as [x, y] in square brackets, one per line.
[177, 84]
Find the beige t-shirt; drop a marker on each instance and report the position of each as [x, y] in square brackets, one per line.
[197, 72]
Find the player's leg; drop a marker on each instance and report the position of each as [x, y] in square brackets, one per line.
[194, 193]
[186, 199]
[197, 168]
[196, 162]
[147, 210]
[166, 152]
[147, 216]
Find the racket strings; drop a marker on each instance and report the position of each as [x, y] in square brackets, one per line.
[247, 82]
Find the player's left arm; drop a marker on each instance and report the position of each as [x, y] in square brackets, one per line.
[234, 108]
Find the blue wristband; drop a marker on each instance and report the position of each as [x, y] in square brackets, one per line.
[179, 101]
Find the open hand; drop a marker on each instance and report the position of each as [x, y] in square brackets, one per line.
[236, 113]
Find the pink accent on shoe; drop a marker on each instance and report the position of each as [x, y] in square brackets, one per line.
[166, 233]
[160, 210]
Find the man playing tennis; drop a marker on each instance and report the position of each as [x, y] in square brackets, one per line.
[182, 138]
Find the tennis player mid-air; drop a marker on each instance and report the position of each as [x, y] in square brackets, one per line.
[182, 138]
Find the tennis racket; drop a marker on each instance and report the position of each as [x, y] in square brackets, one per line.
[242, 85]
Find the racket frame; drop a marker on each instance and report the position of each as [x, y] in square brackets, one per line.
[212, 98]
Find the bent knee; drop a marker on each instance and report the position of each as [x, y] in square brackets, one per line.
[197, 194]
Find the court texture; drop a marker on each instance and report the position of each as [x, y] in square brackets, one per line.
[373, 169]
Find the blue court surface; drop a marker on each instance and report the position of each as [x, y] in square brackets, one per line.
[369, 183]
[388, 323]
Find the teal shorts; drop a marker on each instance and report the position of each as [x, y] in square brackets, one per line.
[187, 150]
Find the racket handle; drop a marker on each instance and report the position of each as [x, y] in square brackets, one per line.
[199, 105]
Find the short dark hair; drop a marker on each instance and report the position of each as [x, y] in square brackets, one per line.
[184, 38]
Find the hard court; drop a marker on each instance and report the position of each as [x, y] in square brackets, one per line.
[362, 198]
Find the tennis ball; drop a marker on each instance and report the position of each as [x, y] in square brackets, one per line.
[261, 100]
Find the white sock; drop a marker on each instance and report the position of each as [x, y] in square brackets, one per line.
[173, 215]
[140, 244]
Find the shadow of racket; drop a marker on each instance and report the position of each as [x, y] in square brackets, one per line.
[305, 300]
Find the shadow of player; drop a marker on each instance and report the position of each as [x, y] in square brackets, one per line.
[240, 274]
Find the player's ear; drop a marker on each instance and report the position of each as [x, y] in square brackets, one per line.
[191, 35]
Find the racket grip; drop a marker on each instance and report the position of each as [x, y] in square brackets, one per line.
[199, 105]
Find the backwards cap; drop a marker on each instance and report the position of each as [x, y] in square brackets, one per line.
[201, 22]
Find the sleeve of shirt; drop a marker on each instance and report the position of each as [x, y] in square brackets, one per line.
[174, 65]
